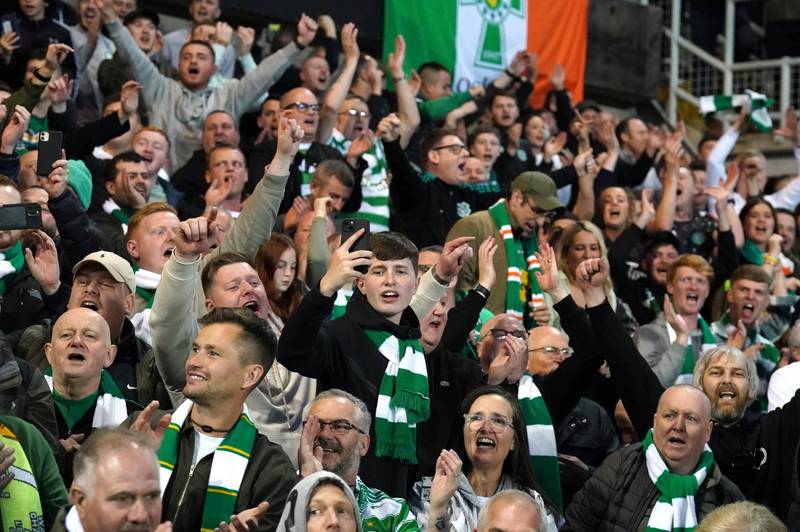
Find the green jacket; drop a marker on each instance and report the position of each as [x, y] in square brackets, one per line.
[52, 493]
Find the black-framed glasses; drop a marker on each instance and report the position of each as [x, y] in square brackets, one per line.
[500, 334]
[304, 107]
[455, 149]
[340, 427]
[548, 215]
[496, 423]
[355, 112]
[552, 350]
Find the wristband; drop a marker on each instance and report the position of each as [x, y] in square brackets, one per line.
[297, 43]
[482, 290]
[40, 77]
[769, 259]
[441, 281]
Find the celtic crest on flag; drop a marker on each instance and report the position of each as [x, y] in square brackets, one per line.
[491, 44]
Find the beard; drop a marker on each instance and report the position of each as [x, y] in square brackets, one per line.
[347, 460]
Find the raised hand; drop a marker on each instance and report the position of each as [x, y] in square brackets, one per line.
[486, 272]
[518, 62]
[300, 205]
[197, 236]
[223, 34]
[581, 162]
[327, 25]
[218, 191]
[738, 337]
[445, 480]
[247, 37]
[9, 42]
[548, 278]
[554, 145]
[306, 30]
[788, 129]
[58, 92]
[454, 253]
[592, 273]
[557, 77]
[342, 266]
[14, 130]
[43, 265]
[648, 211]
[389, 128]
[349, 38]
[144, 423]
[322, 207]
[477, 91]
[309, 457]
[290, 134]
[129, 98]
[245, 521]
[56, 181]
[360, 145]
[56, 53]
[397, 58]
[107, 12]
[676, 321]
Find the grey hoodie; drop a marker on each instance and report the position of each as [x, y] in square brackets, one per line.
[294, 513]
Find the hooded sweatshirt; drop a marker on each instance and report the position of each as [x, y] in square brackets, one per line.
[295, 512]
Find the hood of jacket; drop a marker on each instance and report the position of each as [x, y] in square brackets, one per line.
[295, 512]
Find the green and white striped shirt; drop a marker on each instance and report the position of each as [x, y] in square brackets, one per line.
[381, 513]
[374, 185]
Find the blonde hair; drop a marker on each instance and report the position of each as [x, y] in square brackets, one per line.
[565, 242]
[742, 515]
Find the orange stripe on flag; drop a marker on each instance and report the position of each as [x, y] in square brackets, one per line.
[557, 31]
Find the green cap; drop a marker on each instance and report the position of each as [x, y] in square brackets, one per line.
[540, 187]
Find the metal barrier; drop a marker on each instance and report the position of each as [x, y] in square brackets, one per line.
[692, 72]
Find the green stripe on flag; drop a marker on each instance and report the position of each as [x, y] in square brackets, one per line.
[429, 28]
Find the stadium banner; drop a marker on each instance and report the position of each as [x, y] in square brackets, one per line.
[476, 39]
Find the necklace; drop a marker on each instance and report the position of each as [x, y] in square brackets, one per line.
[208, 428]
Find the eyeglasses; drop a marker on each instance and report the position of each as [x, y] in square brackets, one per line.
[304, 107]
[356, 112]
[500, 334]
[340, 427]
[496, 423]
[553, 351]
[455, 149]
[548, 215]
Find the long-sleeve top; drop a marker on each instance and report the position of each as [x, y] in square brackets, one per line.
[179, 111]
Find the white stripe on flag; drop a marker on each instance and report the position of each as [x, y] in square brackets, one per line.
[541, 440]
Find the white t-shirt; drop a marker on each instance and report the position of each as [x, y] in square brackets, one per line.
[203, 446]
[782, 386]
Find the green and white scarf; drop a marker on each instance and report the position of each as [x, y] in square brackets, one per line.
[709, 341]
[675, 507]
[146, 284]
[374, 184]
[111, 407]
[110, 207]
[758, 107]
[522, 263]
[541, 438]
[20, 506]
[403, 397]
[11, 261]
[227, 467]
[343, 296]
[752, 253]
[306, 169]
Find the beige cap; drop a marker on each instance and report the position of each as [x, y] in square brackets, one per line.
[119, 268]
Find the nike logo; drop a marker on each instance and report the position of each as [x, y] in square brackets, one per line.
[128, 386]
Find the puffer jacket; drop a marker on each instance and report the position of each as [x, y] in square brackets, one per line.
[620, 495]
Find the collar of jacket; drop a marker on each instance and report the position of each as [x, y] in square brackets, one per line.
[361, 312]
[129, 347]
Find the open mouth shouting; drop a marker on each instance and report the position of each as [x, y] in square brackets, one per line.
[748, 310]
[390, 296]
[726, 395]
[252, 305]
[676, 442]
[76, 357]
[90, 304]
[484, 442]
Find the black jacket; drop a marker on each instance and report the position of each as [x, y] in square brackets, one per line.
[339, 355]
[25, 303]
[620, 495]
[426, 209]
[756, 453]
[269, 477]
[261, 155]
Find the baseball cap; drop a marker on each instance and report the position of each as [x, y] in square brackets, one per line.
[119, 268]
[588, 104]
[144, 12]
[661, 239]
[540, 187]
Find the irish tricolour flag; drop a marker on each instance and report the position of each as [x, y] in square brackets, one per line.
[476, 39]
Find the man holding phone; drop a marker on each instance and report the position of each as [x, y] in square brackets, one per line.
[30, 288]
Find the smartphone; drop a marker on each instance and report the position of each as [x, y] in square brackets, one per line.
[49, 151]
[20, 216]
[349, 227]
[10, 23]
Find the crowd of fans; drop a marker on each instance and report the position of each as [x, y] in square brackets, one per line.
[559, 319]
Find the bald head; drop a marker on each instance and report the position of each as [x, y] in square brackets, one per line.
[299, 94]
[682, 427]
[546, 350]
[83, 315]
[690, 393]
[302, 106]
[511, 511]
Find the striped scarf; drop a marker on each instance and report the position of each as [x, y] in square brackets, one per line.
[146, 284]
[227, 467]
[20, 506]
[306, 169]
[675, 507]
[11, 261]
[110, 207]
[403, 399]
[541, 438]
[522, 263]
[759, 103]
[343, 296]
[111, 407]
[709, 341]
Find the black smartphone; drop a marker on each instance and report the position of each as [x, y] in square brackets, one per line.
[9, 23]
[349, 227]
[49, 151]
[20, 216]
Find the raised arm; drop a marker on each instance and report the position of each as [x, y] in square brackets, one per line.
[665, 213]
[337, 92]
[407, 109]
